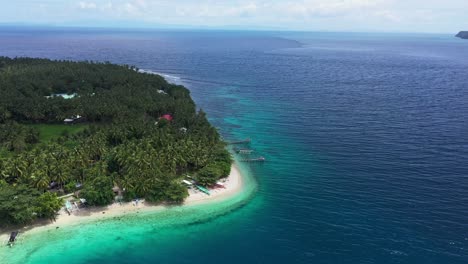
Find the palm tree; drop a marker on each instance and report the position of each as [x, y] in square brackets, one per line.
[143, 186]
[14, 169]
[41, 180]
[61, 174]
[125, 183]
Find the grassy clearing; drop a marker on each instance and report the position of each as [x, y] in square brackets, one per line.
[50, 132]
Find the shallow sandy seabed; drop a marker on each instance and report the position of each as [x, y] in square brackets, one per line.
[233, 184]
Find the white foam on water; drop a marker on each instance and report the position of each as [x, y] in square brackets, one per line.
[168, 77]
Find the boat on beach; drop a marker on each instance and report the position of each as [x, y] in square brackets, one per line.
[203, 189]
[12, 239]
[220, 185]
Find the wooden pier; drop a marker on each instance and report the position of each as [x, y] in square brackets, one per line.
[259, 159]
[245, 151]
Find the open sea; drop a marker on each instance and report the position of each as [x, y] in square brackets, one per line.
[365, 136]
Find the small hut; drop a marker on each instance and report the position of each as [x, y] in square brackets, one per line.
[72, 120]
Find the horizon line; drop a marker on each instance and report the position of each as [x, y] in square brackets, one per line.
[205, 28]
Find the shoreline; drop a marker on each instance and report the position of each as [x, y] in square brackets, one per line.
[234, 184]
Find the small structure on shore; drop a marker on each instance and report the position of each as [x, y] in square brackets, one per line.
[63, 95]
[117, 190]
[187, 183]
[72, 120]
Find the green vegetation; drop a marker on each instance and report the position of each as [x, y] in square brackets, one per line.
[47, 205]
[16, 137]
[99, 192]
[17, 204]
[120, 141]
[48, 132]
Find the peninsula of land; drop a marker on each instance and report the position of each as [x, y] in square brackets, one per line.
[462, 35]
[84, 137]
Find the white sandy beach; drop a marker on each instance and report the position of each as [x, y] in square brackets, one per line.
[233, 184]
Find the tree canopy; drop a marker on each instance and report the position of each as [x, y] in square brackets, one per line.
[124, 143]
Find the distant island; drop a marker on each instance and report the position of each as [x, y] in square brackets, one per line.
[98, 133]
[462, 34]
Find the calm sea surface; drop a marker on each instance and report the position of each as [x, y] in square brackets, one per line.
[366, 137]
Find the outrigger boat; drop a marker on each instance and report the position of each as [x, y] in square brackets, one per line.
[12, 239]
[243, 151]
[203, 189]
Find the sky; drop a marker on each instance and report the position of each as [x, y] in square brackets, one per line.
[438, 16]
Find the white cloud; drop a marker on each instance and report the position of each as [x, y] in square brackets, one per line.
[107, 6]
[131, 8]
[218, 10]
[312, 8]
[261, 10]
[140, 3]
[339, 15]
[87, 5]
[389, 15]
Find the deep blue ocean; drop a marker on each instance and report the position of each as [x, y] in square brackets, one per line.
[365, 135]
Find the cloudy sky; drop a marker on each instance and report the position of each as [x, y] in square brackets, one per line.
[315, 15]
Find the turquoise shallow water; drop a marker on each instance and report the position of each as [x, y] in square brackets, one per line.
[129, 236]
[365, 136]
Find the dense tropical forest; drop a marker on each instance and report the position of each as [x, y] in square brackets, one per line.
[124, 129]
